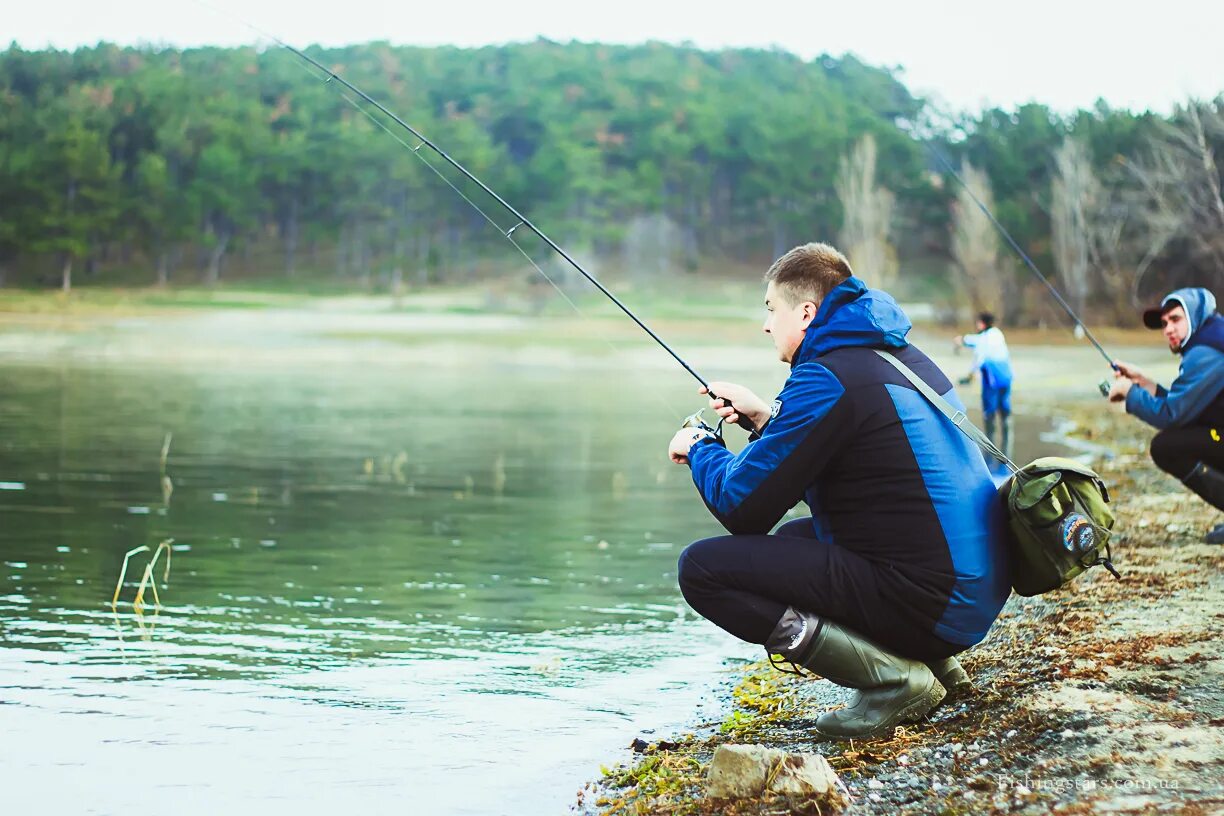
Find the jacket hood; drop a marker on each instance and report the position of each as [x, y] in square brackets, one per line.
[854, 316]
[1199, 304]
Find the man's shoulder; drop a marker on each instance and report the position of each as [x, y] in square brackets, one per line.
[858, 367]
[811, 373]
[843, 363]
[1201, 358]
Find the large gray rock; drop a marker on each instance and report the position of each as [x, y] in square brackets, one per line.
[743, 771]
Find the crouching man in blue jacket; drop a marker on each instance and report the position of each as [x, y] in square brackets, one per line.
[1190, 412]
[901, 564]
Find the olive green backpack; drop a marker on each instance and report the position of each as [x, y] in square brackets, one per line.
[1058, 516]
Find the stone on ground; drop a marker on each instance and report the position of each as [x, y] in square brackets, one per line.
[745, 771]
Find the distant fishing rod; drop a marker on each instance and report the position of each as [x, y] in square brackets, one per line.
[1104, 386]
[522, 220]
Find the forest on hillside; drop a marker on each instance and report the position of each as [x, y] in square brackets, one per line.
[141, 166]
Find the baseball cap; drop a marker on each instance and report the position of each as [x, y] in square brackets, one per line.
[1151, 317]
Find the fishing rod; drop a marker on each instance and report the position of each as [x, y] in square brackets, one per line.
[522, 221]
[1103, 385]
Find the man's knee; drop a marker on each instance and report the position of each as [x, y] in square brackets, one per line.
[1168, 457]
[1159, 450]
[690, 574]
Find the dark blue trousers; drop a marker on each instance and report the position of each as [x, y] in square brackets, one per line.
[743, 584]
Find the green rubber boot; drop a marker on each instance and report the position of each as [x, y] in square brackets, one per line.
[889, 689]
[1209, 484]
[990, 425]
[953, 677]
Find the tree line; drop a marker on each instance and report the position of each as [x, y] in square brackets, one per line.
[131, 166]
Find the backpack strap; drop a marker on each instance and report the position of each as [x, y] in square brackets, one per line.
[958, 417]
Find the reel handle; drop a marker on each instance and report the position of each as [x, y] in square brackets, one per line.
[1103, 385]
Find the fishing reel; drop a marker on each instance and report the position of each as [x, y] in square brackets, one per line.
[1103, 385]
[697, 421]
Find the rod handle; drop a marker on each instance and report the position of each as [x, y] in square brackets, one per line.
[743, 421]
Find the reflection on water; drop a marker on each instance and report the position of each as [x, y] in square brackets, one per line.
[384, 587]
[445, 591]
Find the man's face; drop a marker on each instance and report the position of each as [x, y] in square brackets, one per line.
[1175, 327]
[784, 323]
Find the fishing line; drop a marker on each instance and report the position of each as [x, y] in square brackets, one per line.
[1024, 255]
[522, 220]
[508, 235]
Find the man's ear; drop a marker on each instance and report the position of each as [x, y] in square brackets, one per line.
[809, 312]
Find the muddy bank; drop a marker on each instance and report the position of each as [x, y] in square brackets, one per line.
[1104, 697]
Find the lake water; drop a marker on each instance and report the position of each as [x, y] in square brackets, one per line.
[428, 577]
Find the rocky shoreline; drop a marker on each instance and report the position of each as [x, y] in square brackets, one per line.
[1104, 697]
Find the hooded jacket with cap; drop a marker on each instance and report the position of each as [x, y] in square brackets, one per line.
[1196, 397]
[883, 472]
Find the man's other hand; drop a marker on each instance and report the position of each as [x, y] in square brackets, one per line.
[682, 442]
[1120, 388]
[1131, 372]
[735, 401]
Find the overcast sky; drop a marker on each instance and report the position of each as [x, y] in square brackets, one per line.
[966, 54]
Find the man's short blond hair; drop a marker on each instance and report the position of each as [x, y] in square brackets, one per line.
[808, 272]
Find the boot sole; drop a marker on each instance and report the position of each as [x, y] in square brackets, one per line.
[913, 712]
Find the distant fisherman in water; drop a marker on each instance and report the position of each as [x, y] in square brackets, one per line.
[901, 564]
[993, 361]
[1190, 412]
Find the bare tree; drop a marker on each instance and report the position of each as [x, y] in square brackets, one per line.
[1077, 193]
[975, 245]
[1181, 189]
[1113, 255]
[867, 215]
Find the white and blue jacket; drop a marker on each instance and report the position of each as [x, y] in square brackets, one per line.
[991, 357]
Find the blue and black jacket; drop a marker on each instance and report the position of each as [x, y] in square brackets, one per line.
[883, 472]
[1196, 397]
